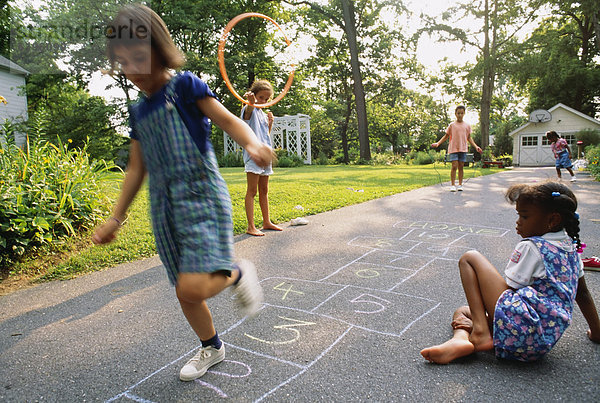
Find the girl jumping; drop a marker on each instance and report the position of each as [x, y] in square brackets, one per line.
[523, 316]
[190, 204]
[562, 154]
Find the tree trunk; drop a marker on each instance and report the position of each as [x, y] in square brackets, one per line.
[487, 89]
[359, 91]
[344, 131]
[596, 27]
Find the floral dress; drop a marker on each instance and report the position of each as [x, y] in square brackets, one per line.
[529, 321]
[190, 203]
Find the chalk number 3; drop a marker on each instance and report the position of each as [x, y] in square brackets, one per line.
[286, 329]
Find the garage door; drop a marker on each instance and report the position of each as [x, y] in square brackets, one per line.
[535, 150]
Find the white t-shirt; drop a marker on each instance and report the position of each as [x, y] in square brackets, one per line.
[526, 263]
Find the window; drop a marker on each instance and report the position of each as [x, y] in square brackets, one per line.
[571, 140]
[529, 141]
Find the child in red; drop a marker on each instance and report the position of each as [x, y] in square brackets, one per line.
[459, 133]
[562, 153]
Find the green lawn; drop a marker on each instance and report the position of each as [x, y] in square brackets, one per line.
[315, 188]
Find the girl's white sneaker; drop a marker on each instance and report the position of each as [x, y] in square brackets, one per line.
[201, 362]
[248, 290]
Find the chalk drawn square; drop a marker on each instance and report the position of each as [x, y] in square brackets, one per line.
[294, 336]
[295, 293]
[435, 237]
[383, 243]
[242, 376]
[421, 247]
[465, 229]
[369, 275]
[436, 250]
[388, 313]
[395, 260]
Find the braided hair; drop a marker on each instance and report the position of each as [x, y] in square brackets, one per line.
[552, 197]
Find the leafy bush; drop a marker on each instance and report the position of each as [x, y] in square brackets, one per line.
[438, 156]
[235, 159]
[589, 137]
[322, 159]
[487, 154]
[592, 154]
[423, 158]
[386, 158]
[61, 108]
[47, 192]
[507, 158]
[286, 159]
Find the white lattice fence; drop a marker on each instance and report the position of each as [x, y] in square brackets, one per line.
[291, 133]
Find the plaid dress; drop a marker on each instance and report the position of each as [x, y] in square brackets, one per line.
[529, 321]
[190, 203]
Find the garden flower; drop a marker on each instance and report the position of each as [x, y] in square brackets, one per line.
[3, 100]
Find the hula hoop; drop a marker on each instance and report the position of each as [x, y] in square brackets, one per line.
[221, 56]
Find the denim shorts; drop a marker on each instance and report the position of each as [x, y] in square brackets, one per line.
[563, 160]
[457, 157]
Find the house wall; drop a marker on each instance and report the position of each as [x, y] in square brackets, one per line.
[12, 88]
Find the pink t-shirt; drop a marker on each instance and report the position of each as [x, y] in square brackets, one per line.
[559, 146]
[458, 137]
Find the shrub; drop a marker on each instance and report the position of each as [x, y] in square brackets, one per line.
[592, 154]
[507, 158]
[286, 159]
[487, 154]
[47, 192]
[437, 156]
[589, 137]
[386, 158]
[422, 158]
[235, 159]
[322, 159]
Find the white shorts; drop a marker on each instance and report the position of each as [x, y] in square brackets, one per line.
[251, 167]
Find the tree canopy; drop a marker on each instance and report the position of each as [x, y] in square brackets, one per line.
[358, 75]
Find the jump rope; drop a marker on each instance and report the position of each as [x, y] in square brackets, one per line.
[473, 169]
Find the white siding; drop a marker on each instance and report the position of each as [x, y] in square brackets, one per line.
[12, 88]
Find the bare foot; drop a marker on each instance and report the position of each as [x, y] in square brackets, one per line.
[482, 340]
[254, 232]
[448, 351]
[592, 337]
[272, 227]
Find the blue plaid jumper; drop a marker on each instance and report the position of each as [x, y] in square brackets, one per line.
[190, 203]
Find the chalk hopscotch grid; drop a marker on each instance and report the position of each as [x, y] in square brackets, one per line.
[303, 368]
[451, 227]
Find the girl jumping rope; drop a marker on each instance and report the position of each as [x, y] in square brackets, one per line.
[523, 316]
[257, 176]
[190, 204]
[562, 154]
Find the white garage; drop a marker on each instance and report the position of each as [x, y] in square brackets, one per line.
[12, 88]
[530, 146]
